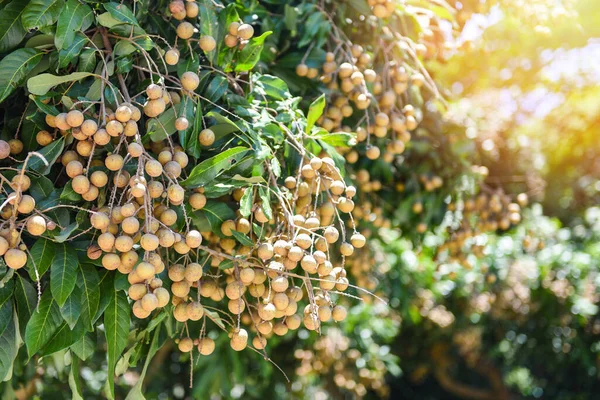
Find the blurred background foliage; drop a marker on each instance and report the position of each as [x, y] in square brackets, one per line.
[522, 320]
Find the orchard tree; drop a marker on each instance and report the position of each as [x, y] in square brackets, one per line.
[161, 182]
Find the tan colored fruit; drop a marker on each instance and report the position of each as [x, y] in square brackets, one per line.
[172, 56]
[233, 28]
[193, 272]
[139, 311]
[145, 270]
[149, 302]
[36, 225]
[191, 9]
[239, 340]
[154, 91]
[16, 146]
[207, 43]
[137, 291]
[153, 108]
[245, 31]
[114, 162]
[180, 312]
[301, 70]
[181, 123]
[185, 30]
[190, 80]
[3, 245]
[206, 137]
[153, 168]
[162, 295]
[180, 289]
[193, 239]
[43, 138]
[339, 313]
[74, 118]
[114, 128]
[15, 258]
[206, 346]
[230, 40]
[149, 242]
[80, 183]
[195, 311]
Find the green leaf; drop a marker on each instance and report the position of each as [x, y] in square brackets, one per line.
[88, 281]
[66, 55]
[136, 392]
[361, 6]
[272, 86]
[107, 285]
[26, 301]
[209, 24]
[120, 12]
[8, 348]
[116, 326]
[107, 20]
[44, 322]
[242, 238]
[209, 169]
[15, 67]
[41, 13]
[246, 202]
[63, 338]
[217, 88]
[84, 347]
[43, 253]
[226, 264]
[87, 60]
[74, 382]
[6, 304]
[71, 310]
[290, 17]
[76, 17]
[337, 139]
[41, 84]
[190, 136]
[314, 112]
[11, 29]
[50, 154]
[250, 55]
[265, 197]
[63, 273]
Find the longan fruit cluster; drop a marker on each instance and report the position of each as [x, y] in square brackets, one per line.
[382, 8]
[266, 296]
[238, 34]
[19, 213]
[333, 357]
[481, 214]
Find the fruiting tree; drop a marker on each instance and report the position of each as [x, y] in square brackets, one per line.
[160, 180]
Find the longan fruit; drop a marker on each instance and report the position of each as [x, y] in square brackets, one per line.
[137, 291]
[16, 146]
[149, 302]
[191, 9]
[162, 295]
[123, 113]
[195, 311]
[193, 239]
[153, 108]
[139, 311]
[338, 313]
[230, 41]
[149, 242]
[233, 28]
[245, 31]
[153, 168]
[36, 225]
[154, 91]
[358, 240]
[74, 118]
[239, 340]
[172, 56]
[206, 137]
[206, 346]
[207, 43]
[114, 162]
[43, 138]
[190, 80]
[185, 30]
[15, 258]
[180, 289]
[181, 123]
[301, 70]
